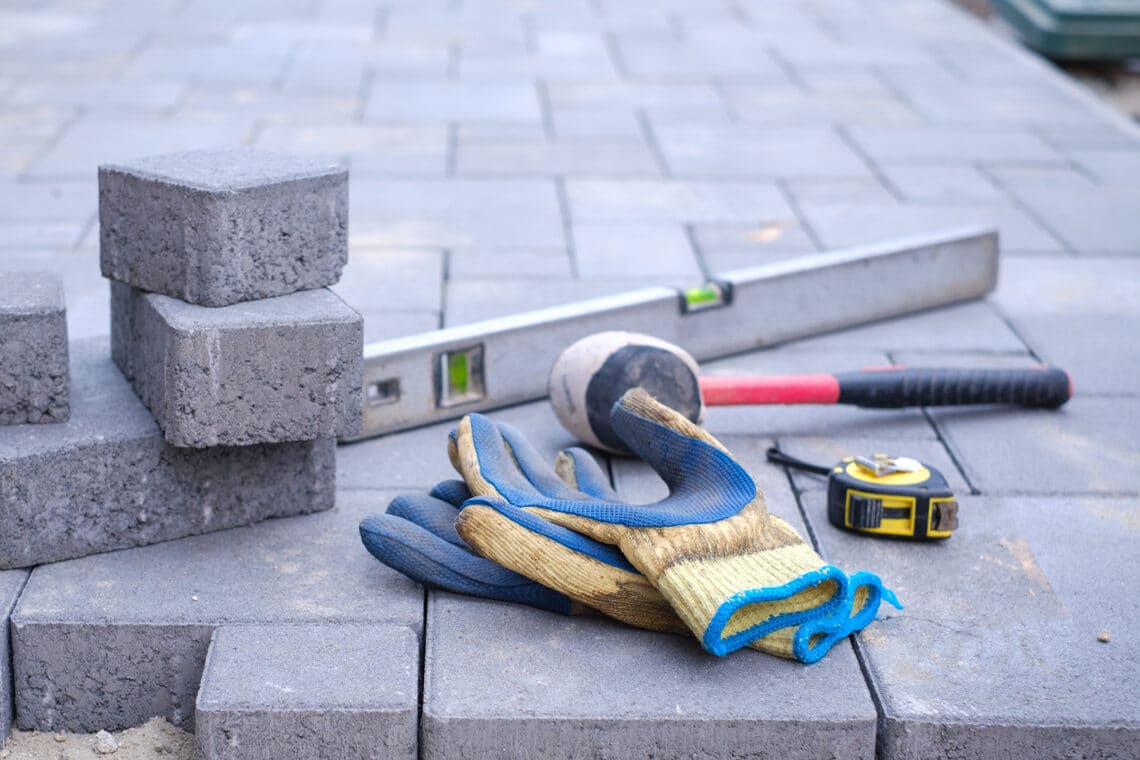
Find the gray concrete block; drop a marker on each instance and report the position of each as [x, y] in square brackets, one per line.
[278, 369]
[11, 583]
[33, 348]
[790, 107]
[314, 691]
[634, 251]
[975, 327]
[997, 653]
[841, 225]
[941, 183]
[802, 152]
[88, 305]
[557, 687]
[220, 227]
[107, 138]
[107, 480]
[443, 101]
[586, 158]
[952, 144]
[367, 150]
[1073, 313]
[111, 640]
[693, 201]
[457, 214]
[1101, 220]
[1087, 446]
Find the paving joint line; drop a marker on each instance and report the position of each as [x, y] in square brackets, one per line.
[794, 205]
[609, 39]
[942, 440]
[787, 68]
[362, 94]
[856, 148]
[567, 224]
[542, 92]
[650, 138]
[451, 150]
[876, 695]
[691, 236]
[444, 281]
[1018, 203]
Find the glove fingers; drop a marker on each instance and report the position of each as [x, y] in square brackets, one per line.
[454, 492]
[581, 471]
[436, 516]
[488, 464]
[534, 466]
[587, 571]
[426, 558]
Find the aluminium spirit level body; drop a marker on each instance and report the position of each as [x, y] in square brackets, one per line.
[448, 373]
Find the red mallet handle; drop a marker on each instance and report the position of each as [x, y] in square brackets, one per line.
[892, 388]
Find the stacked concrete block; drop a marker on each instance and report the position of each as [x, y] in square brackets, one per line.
[107, 480]
[314, 691]
[220, 227]
[219, 313]
[33, 348]
[287, 368]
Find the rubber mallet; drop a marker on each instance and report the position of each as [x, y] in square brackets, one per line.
[593, 373]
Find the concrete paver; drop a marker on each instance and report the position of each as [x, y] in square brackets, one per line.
[277, 369]
[106, 479]
[33, 349]
[11, 583]
[112, 640]
[288, 690]
[1006, 601]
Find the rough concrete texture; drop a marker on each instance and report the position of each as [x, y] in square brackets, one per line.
[502, 680]
[1021, 635]
[107, 480]
[11, 582]
[33, 348]
[219, 227]
[111, 640]
[279, 369]
[319, 691]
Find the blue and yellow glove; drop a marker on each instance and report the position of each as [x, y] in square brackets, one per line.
[417, 537]
[735, 574]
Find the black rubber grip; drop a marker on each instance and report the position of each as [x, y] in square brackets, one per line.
[1046, 388]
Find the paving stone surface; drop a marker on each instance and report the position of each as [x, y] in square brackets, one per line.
[315, 691]
[33, 349]
[216, 228]
[723, 133]
[106, 479]
[111, 640]
[1006, 601]
[287, 368]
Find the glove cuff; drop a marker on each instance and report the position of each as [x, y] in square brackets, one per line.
[729, 602]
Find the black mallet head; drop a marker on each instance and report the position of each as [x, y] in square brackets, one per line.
[593, 373]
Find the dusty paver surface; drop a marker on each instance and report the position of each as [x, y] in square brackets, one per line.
[509, 155]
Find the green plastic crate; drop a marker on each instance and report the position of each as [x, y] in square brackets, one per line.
[1076, 29]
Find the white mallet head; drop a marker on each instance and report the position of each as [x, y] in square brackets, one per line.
[589, 376]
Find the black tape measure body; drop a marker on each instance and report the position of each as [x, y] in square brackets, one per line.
[885, 496]
[909, 504]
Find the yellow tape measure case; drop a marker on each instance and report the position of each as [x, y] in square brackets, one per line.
[911, 503]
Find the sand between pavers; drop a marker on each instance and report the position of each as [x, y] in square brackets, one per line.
[154, 740]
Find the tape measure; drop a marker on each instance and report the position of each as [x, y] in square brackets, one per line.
[882, 495]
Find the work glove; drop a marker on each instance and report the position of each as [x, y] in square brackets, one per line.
[417, 537]
[734, 574]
